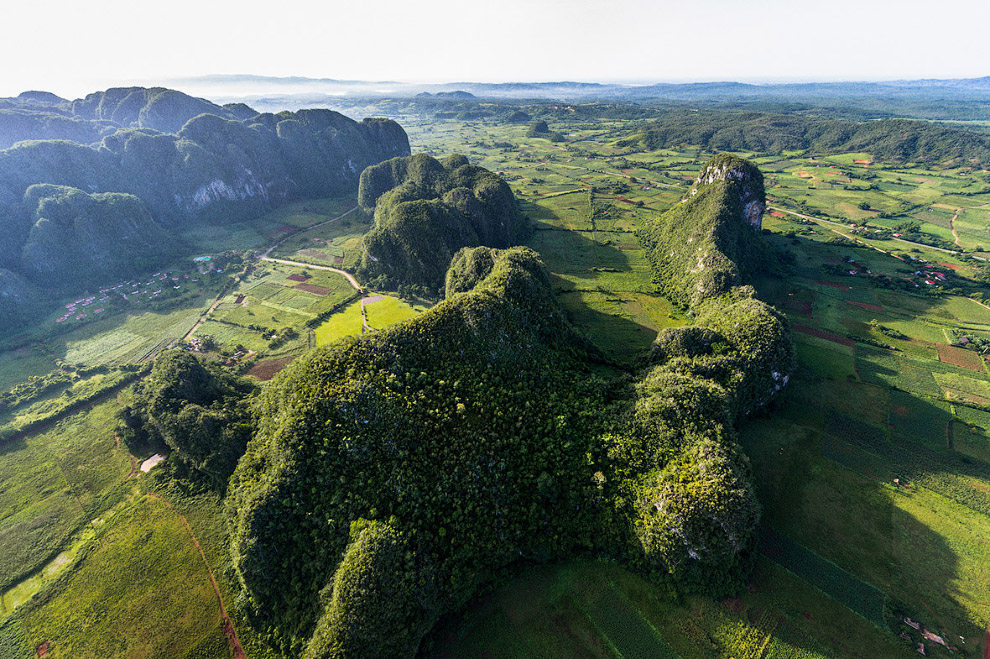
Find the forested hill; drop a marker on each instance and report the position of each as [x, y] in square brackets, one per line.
[392, 475]
[892, 140]
[44, 116]
[57, 213]
[427, 209]
[700, 249]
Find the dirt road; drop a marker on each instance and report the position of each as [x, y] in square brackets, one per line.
[315, 226]
[349, 276]
[952, 228]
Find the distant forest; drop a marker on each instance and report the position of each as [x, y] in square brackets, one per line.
[896, 140]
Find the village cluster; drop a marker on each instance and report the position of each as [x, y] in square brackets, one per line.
[129, 291]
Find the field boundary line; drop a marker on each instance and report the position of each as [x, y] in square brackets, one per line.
[228, 625]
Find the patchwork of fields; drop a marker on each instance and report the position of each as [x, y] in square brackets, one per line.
[846, 554]
[93, 565]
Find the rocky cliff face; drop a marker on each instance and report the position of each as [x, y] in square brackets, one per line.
[752, 197]
[228, 164]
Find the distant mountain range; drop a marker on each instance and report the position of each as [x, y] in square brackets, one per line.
[571, 90]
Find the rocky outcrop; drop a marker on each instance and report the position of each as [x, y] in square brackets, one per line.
[710, 243]
[752, 197]
[224, 165]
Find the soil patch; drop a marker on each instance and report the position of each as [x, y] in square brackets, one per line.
[951, 266]
[282, 230]
[866, 305]
[312, 288]
[841, 287]
[299, 278]
[315, 254]
[43, 648]
[965, 396]
[267, 369]
[828, 336]
[799, 306]
[776, 214]
[960, 357]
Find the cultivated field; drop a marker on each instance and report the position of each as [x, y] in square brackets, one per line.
[97, 560]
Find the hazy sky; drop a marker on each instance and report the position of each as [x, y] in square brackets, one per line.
[79, 46]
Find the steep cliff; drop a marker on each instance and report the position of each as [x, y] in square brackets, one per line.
[710, 241]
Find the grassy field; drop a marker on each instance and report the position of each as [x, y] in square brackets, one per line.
[846, 554]
[390, 310]
[144, 576]
[92, 564]
[262, 231]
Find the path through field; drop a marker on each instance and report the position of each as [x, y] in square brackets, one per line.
[202, 319]
[228, 626]
[350, 278]
[952, 228]
[900, 240]
[368, 299]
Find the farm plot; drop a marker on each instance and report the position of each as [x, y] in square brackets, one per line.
[142, 577]
[961, 357]
[131, 338]
[53, 483]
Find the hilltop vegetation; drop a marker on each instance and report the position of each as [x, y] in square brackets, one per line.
[197, 412]
[699, 249]
[78, 237]
[893, 140]
[431, 454]
[108, 209]
[425, 210]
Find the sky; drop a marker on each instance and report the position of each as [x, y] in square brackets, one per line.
[72, 48]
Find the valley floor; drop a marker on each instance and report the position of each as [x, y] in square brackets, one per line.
[99, 560]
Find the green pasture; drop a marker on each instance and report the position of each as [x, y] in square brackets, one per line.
[390, 310]
[346, 322]
[52, 484]
[214, 236]
[142, 591]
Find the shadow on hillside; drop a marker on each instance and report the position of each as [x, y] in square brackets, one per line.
[583, 268]
[836, 501]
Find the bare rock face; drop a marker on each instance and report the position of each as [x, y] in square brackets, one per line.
[749, 179]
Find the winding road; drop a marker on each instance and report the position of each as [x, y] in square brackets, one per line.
[265, 257]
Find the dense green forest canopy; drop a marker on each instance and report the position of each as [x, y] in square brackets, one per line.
[392, 474]
[893, 140]
[107, 209]
[84, 238]
[197, 412]
[425, 210]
